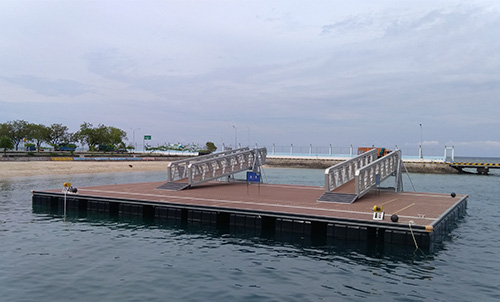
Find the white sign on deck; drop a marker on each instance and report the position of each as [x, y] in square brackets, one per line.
[378, 215]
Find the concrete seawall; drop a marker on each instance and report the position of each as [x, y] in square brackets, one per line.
[323, 163]
[414, 166]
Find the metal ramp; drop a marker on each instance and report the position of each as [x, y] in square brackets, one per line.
[200, 169]
[367, 172]
[174, 186]
[338, 197]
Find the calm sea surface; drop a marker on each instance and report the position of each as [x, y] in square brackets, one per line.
[44, 257]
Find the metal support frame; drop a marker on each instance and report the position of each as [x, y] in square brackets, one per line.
[452, 148]
[341, 173]
[179, 169]
[210, 169]
[374, 173]
[206, 168]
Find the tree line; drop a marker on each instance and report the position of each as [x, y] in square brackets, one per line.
[100, 138]
[14, 132]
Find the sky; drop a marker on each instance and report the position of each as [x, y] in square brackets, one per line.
[361, 73]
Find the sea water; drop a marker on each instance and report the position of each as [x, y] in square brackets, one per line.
[48, 257]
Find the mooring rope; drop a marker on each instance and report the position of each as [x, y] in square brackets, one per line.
[407, 173]
[412, 235]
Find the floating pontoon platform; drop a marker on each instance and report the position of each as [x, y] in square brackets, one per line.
[422, 218]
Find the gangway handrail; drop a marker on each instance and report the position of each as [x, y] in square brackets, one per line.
[178, 169]
[374, 173]
[214, 168]
[343, 172]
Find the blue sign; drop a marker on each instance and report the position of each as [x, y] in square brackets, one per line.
[253, 177]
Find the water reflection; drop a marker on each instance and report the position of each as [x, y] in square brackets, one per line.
[366, 253]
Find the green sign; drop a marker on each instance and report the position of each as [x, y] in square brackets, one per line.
[147, 137]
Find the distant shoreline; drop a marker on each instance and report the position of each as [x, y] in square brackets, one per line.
[18, 168]
[32, 166]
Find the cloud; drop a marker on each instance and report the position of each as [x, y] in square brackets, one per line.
[47, 87]
[111, 63]
[487, 143]
[349, 25]
[430, 143]
[301, 74]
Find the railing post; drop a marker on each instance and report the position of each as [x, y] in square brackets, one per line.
[357, 182]
[399, 177]
[350, 151]
[310, 149]
[291, 149]
[274, 148]
[190, 174]
[327, 182]
[330, 150]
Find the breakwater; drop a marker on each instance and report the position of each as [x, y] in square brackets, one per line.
[414, 166]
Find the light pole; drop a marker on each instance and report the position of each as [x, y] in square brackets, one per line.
[133, 135]
[421, 143]
[235, 137]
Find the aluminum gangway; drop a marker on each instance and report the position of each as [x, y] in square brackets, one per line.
[189, 172]
[350, 180]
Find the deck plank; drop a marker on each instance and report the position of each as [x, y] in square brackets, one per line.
[421, 208]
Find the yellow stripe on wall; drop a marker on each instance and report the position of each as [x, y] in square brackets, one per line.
[61, 158]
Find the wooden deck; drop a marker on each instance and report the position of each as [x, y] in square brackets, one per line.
[426, 216]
